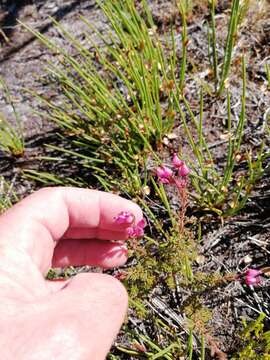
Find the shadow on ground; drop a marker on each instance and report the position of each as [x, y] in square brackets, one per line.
[9, 12]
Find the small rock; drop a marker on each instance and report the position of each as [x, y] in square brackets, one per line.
[247, 259]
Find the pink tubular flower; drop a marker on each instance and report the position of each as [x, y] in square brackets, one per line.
[142, 223]
[164, 174]
[177, 163]
[252, 277]
[183, 170]
[131, 232]
[124, 217]
[137, 230]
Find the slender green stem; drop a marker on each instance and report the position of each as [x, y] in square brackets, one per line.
[183, 9]
[267, 69]
[230, 42]
[214, 42]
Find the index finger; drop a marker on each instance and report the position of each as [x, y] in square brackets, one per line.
[38, 222]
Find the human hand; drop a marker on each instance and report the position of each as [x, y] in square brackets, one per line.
[75, 319]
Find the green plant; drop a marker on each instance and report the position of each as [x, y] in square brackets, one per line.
[238, 13]
[7, 195]
[150, 350]
[267, 70]
[119, 102]
[184, 8]
[120, 99]
[212, 43]
[11, 136]
[255, 341]
[228, 194]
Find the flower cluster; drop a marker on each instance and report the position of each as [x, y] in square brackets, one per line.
[137, 231]
[252, 277]
[134, 230]
[124, 217]
[177, 176]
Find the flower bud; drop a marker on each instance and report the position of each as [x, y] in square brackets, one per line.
[252, 277]
[136, 231]
[124, 217]
[164, 174]
[177, 163]
[183, 170]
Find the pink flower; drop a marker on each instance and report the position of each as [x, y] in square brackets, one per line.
[124, 217]
[139, 228]
[252, 277]
[164, 174]
[131, 232]
[136, 231]
[177, 163]
[183, 170]
[142, 223]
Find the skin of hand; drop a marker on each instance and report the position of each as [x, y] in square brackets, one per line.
[77, 319]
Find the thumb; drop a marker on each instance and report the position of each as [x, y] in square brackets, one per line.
[94, 306]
